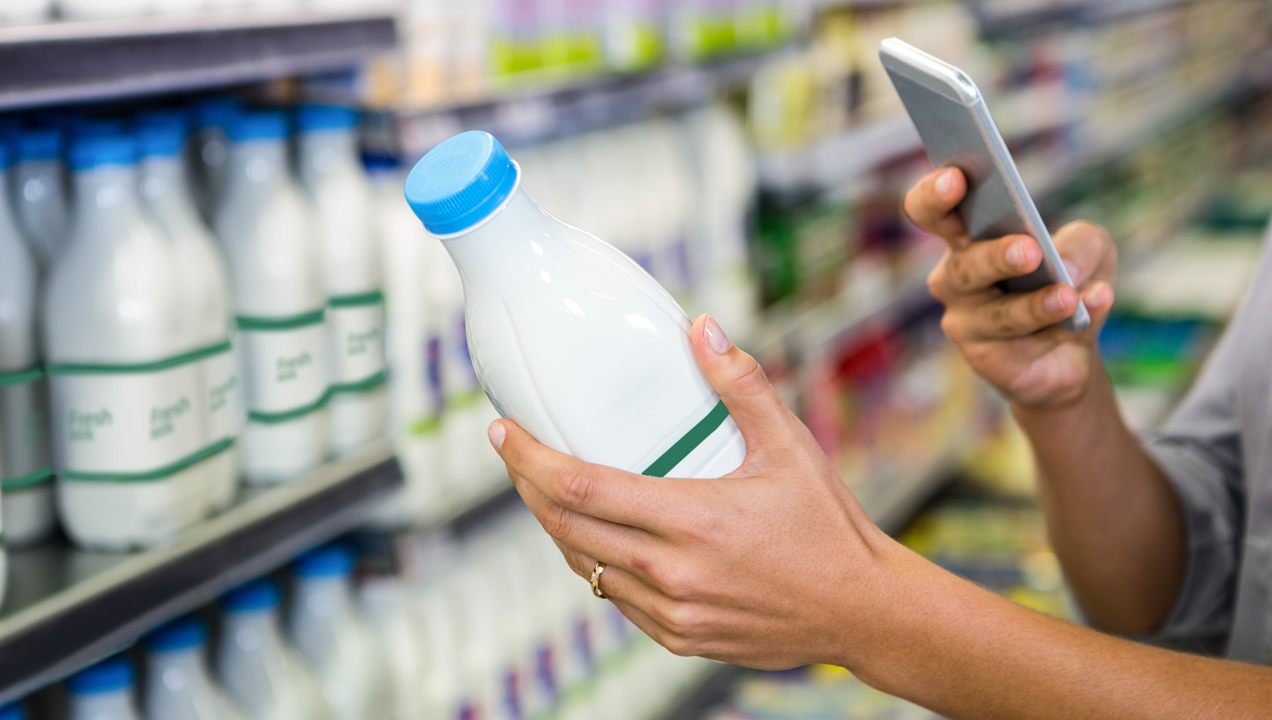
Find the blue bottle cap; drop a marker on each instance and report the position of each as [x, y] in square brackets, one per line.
[95, 150]
[161, 133]
[180, 634]
[326, 561]
[12, 711]
[90, 126]
[39, 143]
[6, 159]
[258, 125]
[112, 674]
[380, 163]
[316, 118]
[460, 182]
[216, 111]
[256, 595]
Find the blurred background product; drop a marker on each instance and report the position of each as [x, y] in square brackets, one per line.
[226, 341]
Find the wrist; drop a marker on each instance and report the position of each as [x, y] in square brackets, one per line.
[1090, 395]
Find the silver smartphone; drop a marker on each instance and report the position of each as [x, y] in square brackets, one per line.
[957, 130]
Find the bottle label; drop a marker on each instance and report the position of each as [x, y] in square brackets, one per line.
[222, 393]
[688, 442]
[129, 423]
[24, 442]
[284, 361]
[356, 324]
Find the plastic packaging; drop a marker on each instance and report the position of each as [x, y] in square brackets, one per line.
[178, 685]
[38, 190]
[103, 691]
[387, 604]
[25, 12]
[570, 338]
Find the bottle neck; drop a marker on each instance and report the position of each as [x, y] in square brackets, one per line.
[326, 598]
[109, 190]
[257, 167]
[326, 153]
[255, 631]
[163, 180]
[115, 705]
[188, 661]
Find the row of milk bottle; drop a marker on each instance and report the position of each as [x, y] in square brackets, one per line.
[32, 12]
[155, 339]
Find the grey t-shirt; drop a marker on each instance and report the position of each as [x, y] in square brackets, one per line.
[1216, 449]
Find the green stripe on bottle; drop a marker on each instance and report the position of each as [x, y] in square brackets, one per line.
[361, 385]
[152, 476]
[282, 417]
[21, 377]
[165, 364]
[290, 322]
[690, 442]
[342, 301]
[31, 479]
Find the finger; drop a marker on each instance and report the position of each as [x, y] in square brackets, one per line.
[1088, 252]
[595, 490]
[977, 267]
[615, 582]
[1099, 303]
[741, 383]
[931, 204]
[1013, 315]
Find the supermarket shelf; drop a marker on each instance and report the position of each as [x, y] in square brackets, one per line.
[1079, 12]
[68, 62]
[838, 159]
[69, 608]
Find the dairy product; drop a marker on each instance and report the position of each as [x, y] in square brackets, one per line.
[336, 640]
[267, 230]
[414, 349]
[267, 679]
[205, 283]
[126, 437]
[387, 604]
[571, 339]
[25, 12]
[178, 685]
[211, 151]
[103, 9]
[332, 175]
[26, 470]
[103, 691]
[38, 191]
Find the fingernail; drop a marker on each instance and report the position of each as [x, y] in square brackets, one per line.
[1074, 274]
[1055, 301]
[1100, 297]
[944, 182]
[496, 434]
[715, 336]
[1016, 255]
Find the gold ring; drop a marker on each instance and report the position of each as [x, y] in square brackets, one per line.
[596, 581]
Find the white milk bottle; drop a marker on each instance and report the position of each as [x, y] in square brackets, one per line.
[332, 175]
[414, 349]
[126, 435]
[267, 679]
[205, 282]
[103, 691]
[210, 151]
[571, 339]
[178, 685]
[26, 470]
[25, 12]
[387, 605]
[103, 9]
[266, 228]
[39, 191]
[333, 637]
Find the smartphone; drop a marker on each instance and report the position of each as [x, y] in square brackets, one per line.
[957, 131]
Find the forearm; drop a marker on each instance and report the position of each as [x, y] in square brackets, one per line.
[1113, 519]
[966, 653]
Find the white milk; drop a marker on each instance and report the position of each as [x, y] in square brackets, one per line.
[271, 242]
[332, 175]
[414, 349]
[210, 151]
[178, 684]
[267, 679]
[571, 339]
[205, 283]
[126, 434]
[25, 12]
[26, 468]
[103, 692]
[335, 639]
[38, 191]
[387, 605]
[438, 639]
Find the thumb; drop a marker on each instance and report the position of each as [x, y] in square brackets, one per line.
[740, 381]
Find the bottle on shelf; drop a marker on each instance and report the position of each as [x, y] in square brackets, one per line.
[126, 435]
[267, 230]
[210, 151]
[329, 631]
[332, 175]
[26, 470]
[571, 338]
[178, 684]
[265, 676]
[103, 691]
[205, 283]
[25, 12]
[102, 9]
[39, 193]
[387, 604]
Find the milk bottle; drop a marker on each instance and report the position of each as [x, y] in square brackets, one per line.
[205, 283]
[271, 243]
[127, 439]
[38, 190]
[387, 605]
[414, 348]
[103, 691]
[25, 12]
[334, 638]
[178, 686]
[26, 470]
[332, 175]
[211, 151]
[267, 679]
[571, 339]
[102, 9]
